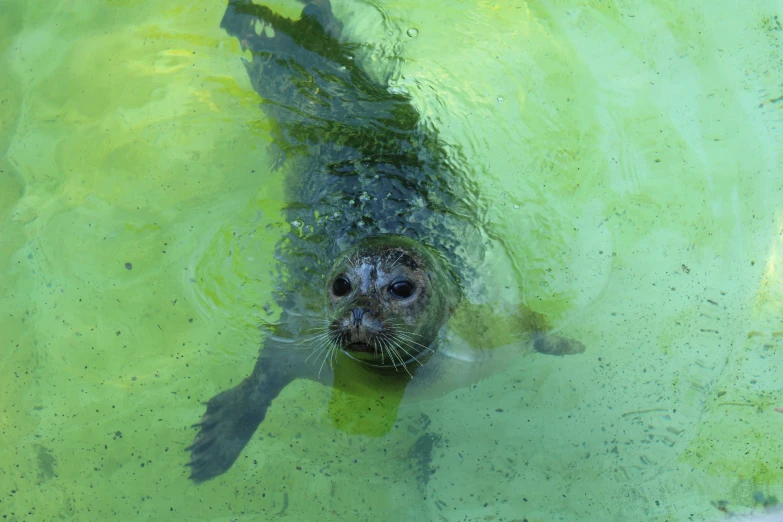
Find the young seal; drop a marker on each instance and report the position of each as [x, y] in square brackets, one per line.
[383, 237]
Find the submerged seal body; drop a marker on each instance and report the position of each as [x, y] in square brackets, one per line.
[383, 237]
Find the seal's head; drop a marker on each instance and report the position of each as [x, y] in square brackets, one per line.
[388, 297]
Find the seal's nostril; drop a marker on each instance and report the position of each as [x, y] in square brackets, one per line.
[357, 315]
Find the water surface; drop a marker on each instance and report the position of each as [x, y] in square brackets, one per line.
[627, 155]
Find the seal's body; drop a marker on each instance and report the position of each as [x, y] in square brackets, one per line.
[383, 233]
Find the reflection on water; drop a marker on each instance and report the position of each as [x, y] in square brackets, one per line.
[631, 179]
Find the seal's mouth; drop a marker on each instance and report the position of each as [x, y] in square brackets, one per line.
[360, 347]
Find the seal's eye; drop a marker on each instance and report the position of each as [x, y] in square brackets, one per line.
[401, 289]
[341, 286]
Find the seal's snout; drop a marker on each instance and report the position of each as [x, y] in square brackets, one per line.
[356, 316]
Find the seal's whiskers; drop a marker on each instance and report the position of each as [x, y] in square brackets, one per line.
[399, 343]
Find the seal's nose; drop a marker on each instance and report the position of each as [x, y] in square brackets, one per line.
[357, 315]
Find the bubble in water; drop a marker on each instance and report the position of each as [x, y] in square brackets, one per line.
[296, 224]
[412, 32]
[501, 99]
[516, 206]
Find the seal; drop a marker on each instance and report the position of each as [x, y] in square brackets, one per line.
[385, 239]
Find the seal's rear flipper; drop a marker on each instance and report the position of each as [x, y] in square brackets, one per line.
[321, 12]
[314, 90]
[317, 30]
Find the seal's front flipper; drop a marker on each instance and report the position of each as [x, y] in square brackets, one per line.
[481, 326]
[544, 341]
[233, 416]
[556, 345]
[230, 420]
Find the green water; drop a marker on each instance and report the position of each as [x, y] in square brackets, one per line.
[628, 153]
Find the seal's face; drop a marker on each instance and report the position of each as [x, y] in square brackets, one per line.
[387, 298]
